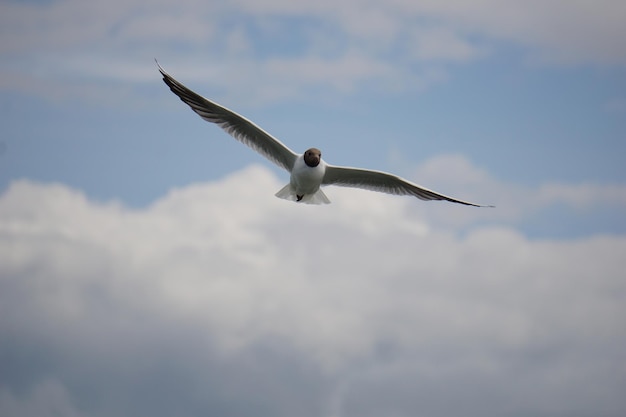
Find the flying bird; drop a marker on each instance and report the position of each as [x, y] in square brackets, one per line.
[308, 170]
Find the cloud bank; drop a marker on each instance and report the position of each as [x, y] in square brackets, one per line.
[62, 48]
[219, 299]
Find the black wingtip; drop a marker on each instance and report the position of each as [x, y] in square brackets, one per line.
[475, 205]
[161, 70]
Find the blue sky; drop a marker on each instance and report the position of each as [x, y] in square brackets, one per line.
[142, 249]
[394, 81]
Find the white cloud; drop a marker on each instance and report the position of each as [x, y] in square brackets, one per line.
[441, 43]
[372, 43]
[557, 31]
[515, 203]
[362, 295]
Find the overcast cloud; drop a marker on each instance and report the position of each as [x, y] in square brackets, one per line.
[221, 299]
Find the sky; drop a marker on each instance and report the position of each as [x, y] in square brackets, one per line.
[146, 267]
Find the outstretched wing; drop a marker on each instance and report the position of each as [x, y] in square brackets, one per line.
[235, 125]
[382, 182]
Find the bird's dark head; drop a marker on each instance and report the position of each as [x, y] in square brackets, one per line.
[312, 157]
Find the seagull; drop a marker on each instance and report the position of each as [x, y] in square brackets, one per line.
[308, 170]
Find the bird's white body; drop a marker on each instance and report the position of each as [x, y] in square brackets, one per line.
[305, 181]
[308, 171]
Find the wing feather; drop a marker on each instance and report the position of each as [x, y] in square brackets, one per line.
[382, 182]
[234, 124]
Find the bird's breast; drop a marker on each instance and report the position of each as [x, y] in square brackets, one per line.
[306, 179]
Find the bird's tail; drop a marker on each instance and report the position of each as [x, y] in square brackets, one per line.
[288, 193]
